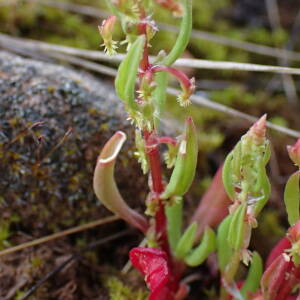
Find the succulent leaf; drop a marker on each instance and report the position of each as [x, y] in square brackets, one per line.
[127, 73]
[186, 242]
[200, 253]
[292, 198]
[185, 165]
[105, 187]
[224, 251]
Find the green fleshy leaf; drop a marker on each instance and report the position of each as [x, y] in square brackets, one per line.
[227, 176]
[127, 73]
[255, 272]
[224, 251]
[265, 188]
[237, 227]
[174, 228]
[200, 254]
[292, 198]
[185, 243]
[185, 165]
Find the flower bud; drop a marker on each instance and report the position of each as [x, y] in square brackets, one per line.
[187, 85]
[258, 130]
[294, 153]
[106, 31]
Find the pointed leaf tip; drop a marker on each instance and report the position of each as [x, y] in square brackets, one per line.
[258, 130]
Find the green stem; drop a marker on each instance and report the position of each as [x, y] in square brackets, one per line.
[184, 35]
[112, 8]
[180, 45]
[115, 12]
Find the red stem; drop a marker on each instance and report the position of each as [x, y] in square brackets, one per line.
[156, 176]
[167, 140]
[181, 77]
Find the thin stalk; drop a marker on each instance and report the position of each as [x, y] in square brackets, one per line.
[154, 161]
[180, 45]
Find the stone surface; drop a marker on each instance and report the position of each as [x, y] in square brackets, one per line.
[46, 175]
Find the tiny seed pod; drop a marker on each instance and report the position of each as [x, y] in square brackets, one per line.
[185, 243]
[237, 227]
[224, 251]
[292, 198]
[185, 165]
[200, 254]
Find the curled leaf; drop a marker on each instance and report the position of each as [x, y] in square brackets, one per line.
[105, 187]
[185, 243]
[200, 254]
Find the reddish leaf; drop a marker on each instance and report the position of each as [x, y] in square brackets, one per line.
[153, 264]
[283, 244]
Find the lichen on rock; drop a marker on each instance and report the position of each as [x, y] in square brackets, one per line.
[53, 123]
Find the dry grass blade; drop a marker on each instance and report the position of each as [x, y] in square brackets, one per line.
[59, 235]
[287, 80]
[184, 62]
[199, 100]
[198, 34]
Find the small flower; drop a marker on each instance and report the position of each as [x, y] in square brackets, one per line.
[147, 86]
[187, 85]
[294, 153]
[106, 30]
[187, 91]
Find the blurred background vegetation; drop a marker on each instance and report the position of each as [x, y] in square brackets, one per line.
[220, 26]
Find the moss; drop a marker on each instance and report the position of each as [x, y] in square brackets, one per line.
[4, 235]
[120, 291]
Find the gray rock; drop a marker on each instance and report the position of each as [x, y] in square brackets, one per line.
[46, 176]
